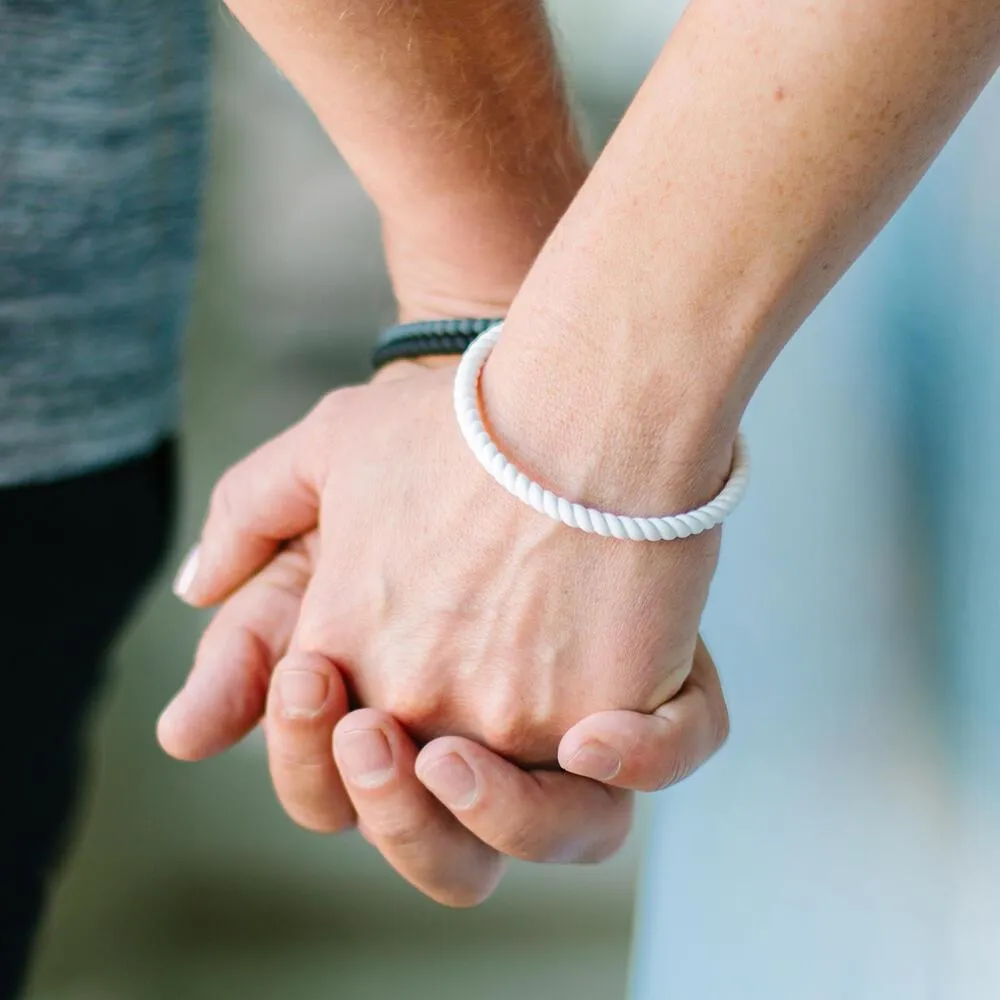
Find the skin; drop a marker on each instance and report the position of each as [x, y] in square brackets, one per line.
[767, 147]
[794, 132]
[418, 812]
[491, 667]
[453, 117]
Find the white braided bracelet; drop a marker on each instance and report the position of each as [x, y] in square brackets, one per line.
[574, 515]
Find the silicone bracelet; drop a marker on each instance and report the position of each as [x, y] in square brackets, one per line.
[664, 528]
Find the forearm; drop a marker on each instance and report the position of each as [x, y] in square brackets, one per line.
[768, 146]
[452, 115]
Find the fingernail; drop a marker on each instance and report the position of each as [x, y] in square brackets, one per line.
[365, 757]
[187, 573]
[303, 693]
[595, 760]
[166, 719]
[452, 781]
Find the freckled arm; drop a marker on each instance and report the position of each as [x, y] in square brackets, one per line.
[770, 143]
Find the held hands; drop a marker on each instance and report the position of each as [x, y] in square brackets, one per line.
[460, 618]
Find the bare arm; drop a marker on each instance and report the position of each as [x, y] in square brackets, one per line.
[766, 149]
[453, 116]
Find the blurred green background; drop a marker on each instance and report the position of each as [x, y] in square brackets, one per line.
[187, 881]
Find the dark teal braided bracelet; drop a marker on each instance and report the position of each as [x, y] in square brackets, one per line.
[433, 336]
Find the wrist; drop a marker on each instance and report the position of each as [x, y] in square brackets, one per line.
[405, 367]
[440, 269]
[467, 253]
[441, 277]
[635, 432]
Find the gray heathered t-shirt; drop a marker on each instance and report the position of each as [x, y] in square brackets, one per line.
[102, 129]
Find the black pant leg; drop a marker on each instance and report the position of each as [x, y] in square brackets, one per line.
[76, 555]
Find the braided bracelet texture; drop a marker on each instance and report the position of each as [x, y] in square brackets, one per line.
[640, 529]
[432, 336]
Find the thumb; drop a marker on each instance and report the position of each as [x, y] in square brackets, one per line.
[270, 496]
[647, 752]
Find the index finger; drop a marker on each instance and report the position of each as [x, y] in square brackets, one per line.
[268, 497]
[536, 815]
[409, 827]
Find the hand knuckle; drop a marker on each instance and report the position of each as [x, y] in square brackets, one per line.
[414, 706]
[222, 504]
[720, 726]
[289, 572]
[238, 648]
[297, 750]
[316, 821]
[398, 834]
[613, 839]
[506, 732]
[522, 843]
[677, 767]
[513, 727]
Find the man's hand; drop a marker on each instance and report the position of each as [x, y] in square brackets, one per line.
[442, 600]
[442, 833]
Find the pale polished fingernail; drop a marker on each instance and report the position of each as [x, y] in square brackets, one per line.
[595, 760]
[303, 693]
[452, 781]
[187, 573]
[365, 757]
